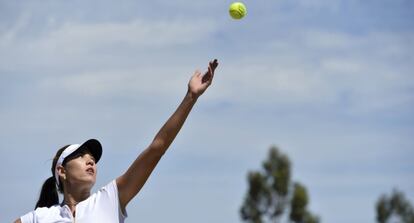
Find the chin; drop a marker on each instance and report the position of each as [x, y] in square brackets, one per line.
[90, 181]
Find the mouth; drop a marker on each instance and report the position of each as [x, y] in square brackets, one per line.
[90, 170]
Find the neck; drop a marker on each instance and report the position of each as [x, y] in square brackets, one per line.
[75, 194]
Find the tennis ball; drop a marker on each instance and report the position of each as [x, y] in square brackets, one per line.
[237, 10]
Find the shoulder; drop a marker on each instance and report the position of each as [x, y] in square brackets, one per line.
[107, 193]
[110, 189]
[40, 214]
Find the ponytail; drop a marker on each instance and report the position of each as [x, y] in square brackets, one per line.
[48, 195]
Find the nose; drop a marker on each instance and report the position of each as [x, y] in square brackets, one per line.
[90, 162]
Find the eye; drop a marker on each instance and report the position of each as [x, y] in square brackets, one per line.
[77, 156]
[89, 156]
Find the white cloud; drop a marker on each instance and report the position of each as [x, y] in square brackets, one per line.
[11, 34]
[310, 66]
[71, 43]
[137, 82]
[314, 67]
[323, 67]
[137, 33]
[332, 5]
[269, 84]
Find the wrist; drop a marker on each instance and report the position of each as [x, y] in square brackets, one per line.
[191, 96]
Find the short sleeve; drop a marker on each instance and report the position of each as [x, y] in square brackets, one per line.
[111, 190]
[28, 218]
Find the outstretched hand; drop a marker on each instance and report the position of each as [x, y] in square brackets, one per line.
[199, 83]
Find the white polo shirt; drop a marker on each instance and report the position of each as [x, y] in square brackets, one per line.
[101, 207]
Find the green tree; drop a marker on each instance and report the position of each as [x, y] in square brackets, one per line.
[396, 206]
[271, 191]
[298, 206]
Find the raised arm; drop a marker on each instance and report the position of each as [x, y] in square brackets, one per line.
[131, 182]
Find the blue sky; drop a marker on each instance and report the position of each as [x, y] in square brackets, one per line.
[330, 82]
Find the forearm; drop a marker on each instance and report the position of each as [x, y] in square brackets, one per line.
[170, 129]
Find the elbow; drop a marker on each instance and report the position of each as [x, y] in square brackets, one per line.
[158, 147]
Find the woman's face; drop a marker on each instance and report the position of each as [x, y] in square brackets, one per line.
[81, 170]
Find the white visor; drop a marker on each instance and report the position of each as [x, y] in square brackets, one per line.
[69, 150]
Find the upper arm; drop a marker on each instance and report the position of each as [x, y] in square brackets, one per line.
[131, 182]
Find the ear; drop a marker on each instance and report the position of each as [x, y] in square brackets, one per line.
[61, 172]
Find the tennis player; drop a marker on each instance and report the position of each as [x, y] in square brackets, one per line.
[74, 172]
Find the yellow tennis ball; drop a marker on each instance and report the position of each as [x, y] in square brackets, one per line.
[237, 10]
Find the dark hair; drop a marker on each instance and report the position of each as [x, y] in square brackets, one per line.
[49, 193]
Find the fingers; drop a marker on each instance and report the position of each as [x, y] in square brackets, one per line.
[211, 68]
[208, 76]
[214, 64]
